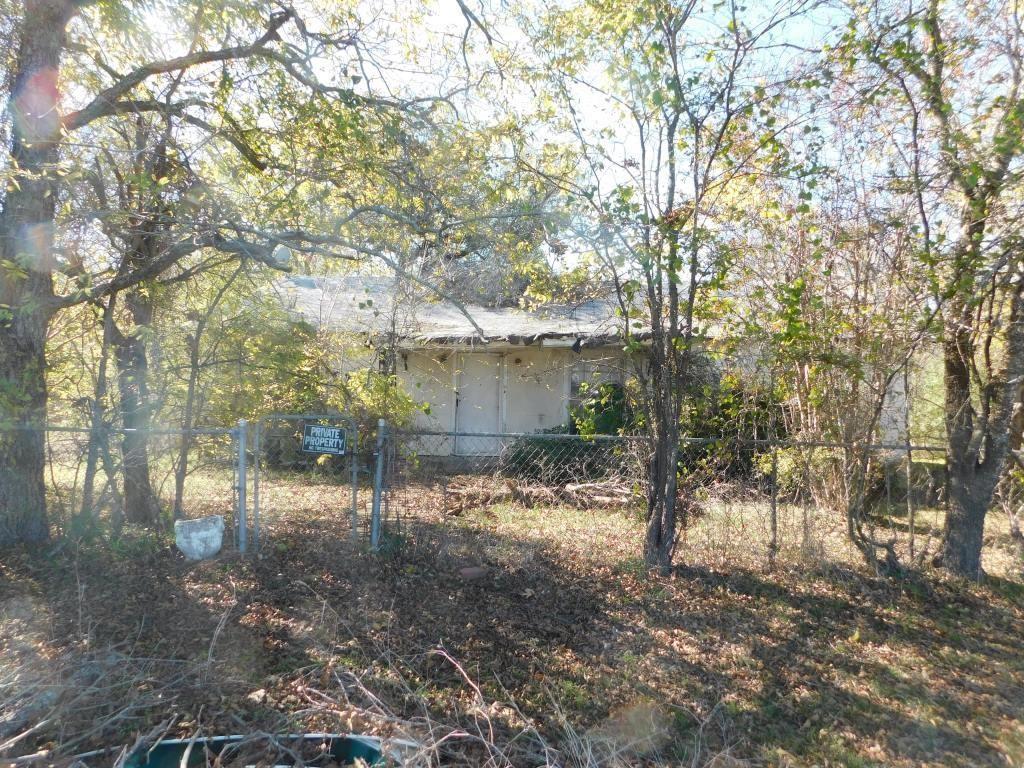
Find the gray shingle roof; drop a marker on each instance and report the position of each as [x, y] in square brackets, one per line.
[376, 304]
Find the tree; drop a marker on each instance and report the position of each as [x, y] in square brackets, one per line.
[952, 73]
[37, 281]
[146, 192]
[313, 147]
[826, 289]
[699, 96]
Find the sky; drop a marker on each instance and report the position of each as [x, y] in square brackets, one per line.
[430, 47]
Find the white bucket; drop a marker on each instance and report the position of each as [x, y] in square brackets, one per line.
[200, 538]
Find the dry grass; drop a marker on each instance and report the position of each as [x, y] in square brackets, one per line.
[562, 652]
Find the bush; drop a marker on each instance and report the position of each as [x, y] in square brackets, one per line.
[731, 416]
[735, 410]
[604, 410]
[558, 460]
[824, 475]
[368, 395]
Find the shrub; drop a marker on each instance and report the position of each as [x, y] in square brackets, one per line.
[604, 410]
[557, 460]
[729, 417]
[368, 395]
[824, 475]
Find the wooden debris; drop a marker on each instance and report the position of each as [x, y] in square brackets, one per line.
[472, 493]
[604, 494]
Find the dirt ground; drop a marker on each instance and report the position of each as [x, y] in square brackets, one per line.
[515, 636]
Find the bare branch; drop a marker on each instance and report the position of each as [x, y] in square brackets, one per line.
[105, 103]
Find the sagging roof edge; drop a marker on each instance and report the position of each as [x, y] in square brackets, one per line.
[585, 341]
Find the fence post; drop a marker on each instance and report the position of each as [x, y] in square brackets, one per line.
[256, 441]
[243, 530]
[378, 481]
[910, 498]
[353, 465]
[773, 547]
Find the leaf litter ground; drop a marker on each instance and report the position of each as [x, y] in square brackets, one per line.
[508, 634]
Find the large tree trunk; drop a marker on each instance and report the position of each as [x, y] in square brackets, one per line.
[659, 544]
[967, 506]
[22, 451]
[978, 445]
[141, 505]
[663, 475]
[26, 264]
[967, 501]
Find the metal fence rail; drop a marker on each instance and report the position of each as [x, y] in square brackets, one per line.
[543, 458]
[750, 499]
[85, 471]
[737, 497]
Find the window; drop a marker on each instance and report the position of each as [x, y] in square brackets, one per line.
[592, 373]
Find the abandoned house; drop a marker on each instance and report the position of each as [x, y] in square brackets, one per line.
[507, 370]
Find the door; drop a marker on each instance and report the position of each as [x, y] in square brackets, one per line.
[477, 404]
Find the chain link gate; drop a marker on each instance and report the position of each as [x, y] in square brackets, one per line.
[430, 472]
[303, 462]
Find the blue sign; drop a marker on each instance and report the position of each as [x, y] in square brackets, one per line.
[320, 439]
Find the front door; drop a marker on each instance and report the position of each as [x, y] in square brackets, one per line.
[477, 404]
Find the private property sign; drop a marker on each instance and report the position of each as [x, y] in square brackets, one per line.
[320, 439]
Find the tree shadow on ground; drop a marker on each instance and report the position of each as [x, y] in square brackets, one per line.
[827, 664]
[800, 667]
[845, 660]
[134, 636]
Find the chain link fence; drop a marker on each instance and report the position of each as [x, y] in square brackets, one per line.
[257, 476]
[93, 477]
[738, 500]
[452, 473]
[754, 500]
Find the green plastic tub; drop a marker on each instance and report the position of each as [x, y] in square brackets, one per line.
[169, 752]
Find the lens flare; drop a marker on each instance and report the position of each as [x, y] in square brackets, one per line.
[35, 247]
[36, 111]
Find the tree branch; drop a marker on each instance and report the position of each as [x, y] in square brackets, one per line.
[263, 253]
[105, 103]
[232, 138]
[315, 241]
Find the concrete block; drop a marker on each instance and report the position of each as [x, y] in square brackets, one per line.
[200, 538]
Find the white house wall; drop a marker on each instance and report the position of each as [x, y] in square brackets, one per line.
[893, 420]
[428, 376]
[536, 388]
[533, 388]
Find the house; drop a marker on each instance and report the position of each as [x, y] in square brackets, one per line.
[479, 372]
